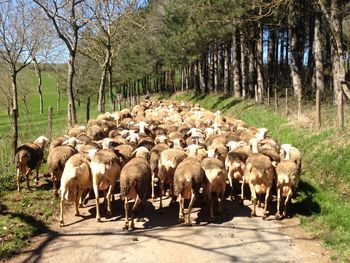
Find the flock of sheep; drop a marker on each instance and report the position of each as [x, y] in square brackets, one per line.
[176, 146]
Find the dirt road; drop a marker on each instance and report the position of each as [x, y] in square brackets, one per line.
[234, 238]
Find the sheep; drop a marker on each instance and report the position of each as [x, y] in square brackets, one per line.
[154, 157]
[105, 169]
[29, 157]
[215, 172]
[135, 179]
[259, 173]
[76, 178]
[235, 165]
[125, 152]
[95, 132]
[58, 142]
[189, 177]
[168, 161]
[56, 160]
[288, 152]
[288, 174]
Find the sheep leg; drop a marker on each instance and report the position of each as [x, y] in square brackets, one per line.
[62, 206]
[253, 193]
[267, 198]
[278, 214]
[108, 196]
[161, 185]
[289, 196]
[209, 202]
[221, 200]
[181, 209]
[98, 217]
[37, 174]
[133, 211]
[27, 178]
[77, 202]
[188, 221]
[231, 186]
[18, 177]
[153, 182]
[126, 208]
[242, 191]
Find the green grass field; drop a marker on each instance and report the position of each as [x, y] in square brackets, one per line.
[323, 203]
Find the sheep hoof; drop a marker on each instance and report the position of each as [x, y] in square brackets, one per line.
[241, 202]
[264, 216]
[109, 214]
[98, 219]
[278, 217]
[252, 214]
[126, 227]
[188, 224]
[77, 214]
[132, 226]
[181, 220]
[61, 223]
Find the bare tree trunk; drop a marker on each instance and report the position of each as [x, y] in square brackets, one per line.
[251, 75]
[72, 118]
[15, 132]
[226, 68]
[318, 69]
[215, 69]
[259, 58]
[187, 72]
[210, 67]
[271, 59]
[110, 85]
[38, 74]
[201, 77]
[14, 114]
[101, 91]
[243, 67]
[294, 65]
[235, 65]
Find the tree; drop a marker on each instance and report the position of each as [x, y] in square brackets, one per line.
[43, 47]
[68, 17]
[102, 40]
[15, 49]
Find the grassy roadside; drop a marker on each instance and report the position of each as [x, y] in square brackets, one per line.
[323, 204]
[27, 214]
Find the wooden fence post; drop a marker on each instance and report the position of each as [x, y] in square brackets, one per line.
[50, 122]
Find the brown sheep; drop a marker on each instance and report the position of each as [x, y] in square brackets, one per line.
[57, 159]
[189, 177]
[288, 174]
[259, 173]
[154, 157]
[169, 160]
[215, 172]
[135, 178]
[29, 157]
[76, 178]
